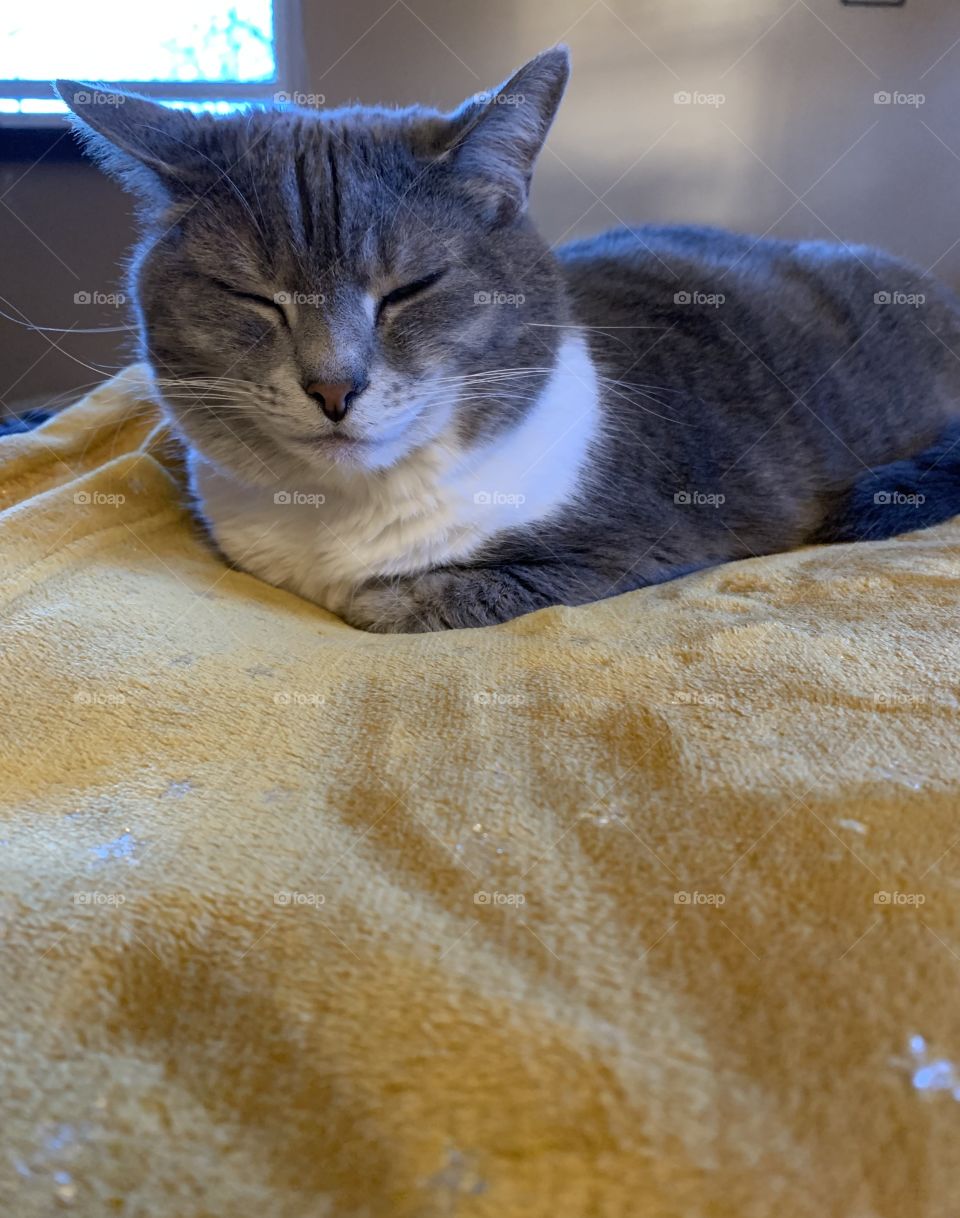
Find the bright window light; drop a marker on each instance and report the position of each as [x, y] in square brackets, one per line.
[207, 54]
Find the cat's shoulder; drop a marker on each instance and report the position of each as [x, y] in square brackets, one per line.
[649, 245]
[646, 242]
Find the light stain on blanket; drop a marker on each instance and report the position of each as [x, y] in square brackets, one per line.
[854, 826]
[458, 1178]
[122, 847]
[932, 1074]
[259, 670]
[177, 789]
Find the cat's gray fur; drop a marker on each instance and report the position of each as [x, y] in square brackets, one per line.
[752, 390]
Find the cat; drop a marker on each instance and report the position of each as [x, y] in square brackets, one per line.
[400, 403]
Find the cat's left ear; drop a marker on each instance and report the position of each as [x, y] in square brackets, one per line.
[150, 148]
[497, 136]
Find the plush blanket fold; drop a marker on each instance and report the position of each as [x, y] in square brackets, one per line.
[646, 908]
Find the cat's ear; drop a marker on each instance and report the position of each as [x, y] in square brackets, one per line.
[498, 135]
[140, 142]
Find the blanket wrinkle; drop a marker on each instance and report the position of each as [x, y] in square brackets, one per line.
[647, 907]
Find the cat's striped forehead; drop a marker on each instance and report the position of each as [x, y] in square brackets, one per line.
[327, 197]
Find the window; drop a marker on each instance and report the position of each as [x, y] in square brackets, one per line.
[206, 53]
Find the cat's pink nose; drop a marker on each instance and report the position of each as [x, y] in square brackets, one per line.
[333, 399]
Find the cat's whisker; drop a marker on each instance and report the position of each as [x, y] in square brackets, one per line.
[574, 325]
[189, 386]
[209, 394]
[492, 373]
[610, 380]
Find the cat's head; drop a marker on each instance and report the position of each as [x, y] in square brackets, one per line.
[337, 288]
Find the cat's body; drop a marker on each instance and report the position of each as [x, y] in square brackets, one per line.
[516, 427]
[326, 536]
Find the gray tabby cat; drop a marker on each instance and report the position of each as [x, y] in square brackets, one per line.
[401, 404]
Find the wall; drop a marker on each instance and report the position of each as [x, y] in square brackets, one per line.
[798, 146]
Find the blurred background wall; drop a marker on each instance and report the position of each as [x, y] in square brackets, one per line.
[760, 115]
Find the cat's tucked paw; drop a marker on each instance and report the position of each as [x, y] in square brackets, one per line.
[449, 599]
[385, 607]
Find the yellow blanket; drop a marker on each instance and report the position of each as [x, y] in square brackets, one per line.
[646, 908]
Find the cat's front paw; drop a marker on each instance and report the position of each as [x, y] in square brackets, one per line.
[392, 607]
[452, 598]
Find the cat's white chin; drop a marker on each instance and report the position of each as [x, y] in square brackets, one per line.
[371, 453]
[348, 453]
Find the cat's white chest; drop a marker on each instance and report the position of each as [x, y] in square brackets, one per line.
[434, 508]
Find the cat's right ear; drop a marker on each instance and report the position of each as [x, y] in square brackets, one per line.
[139, 142]
[496, 137]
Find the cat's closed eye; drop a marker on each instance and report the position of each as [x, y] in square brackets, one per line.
[274, 303]
[408, 290]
